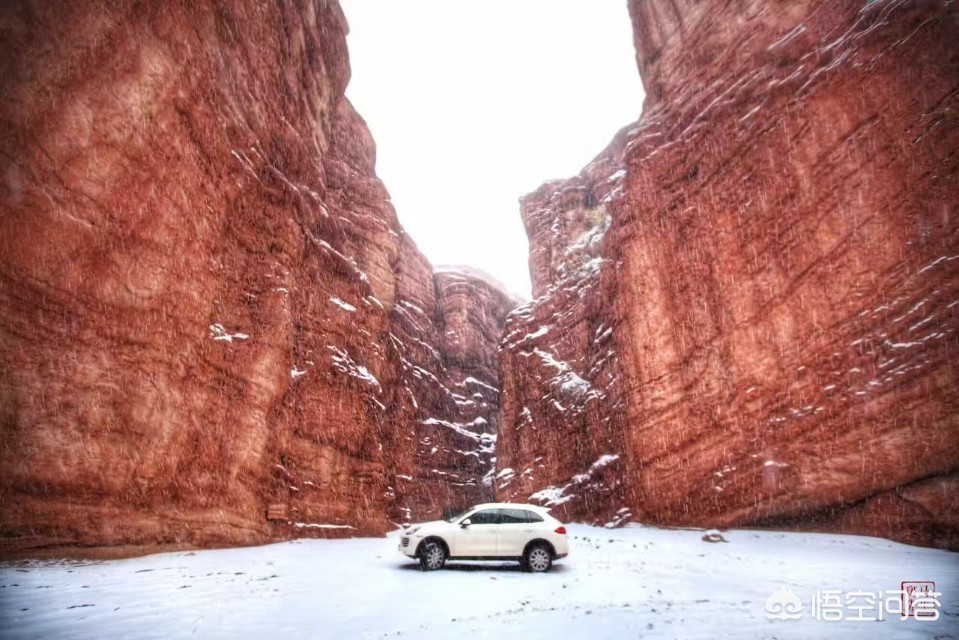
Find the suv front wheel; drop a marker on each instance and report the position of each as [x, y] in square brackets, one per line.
[432, 556]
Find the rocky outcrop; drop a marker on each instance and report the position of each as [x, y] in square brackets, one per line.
[208, 305]
[445, 340]
[773, 310]
[562, 390]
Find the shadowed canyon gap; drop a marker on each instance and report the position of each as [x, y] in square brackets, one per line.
[745, 308]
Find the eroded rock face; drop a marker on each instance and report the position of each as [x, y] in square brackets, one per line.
[779, 280]
[562, 389]
[208, 305]
[445, 339]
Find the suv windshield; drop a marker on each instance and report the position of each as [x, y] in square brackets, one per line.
[459, 515]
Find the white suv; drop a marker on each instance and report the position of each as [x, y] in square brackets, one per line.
[495, 531]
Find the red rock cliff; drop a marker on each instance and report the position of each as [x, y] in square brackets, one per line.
[772, 313]
[208, 305]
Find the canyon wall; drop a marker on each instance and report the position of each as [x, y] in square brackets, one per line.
[207, 306]
[562, 414]
[768, 266]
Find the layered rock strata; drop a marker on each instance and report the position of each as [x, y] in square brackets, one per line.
[208, 306]
[777, 297]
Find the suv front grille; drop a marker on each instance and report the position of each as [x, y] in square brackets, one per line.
[405, 541]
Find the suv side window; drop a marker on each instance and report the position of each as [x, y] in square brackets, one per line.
[512, 516]
[487, 516]
[532, 517]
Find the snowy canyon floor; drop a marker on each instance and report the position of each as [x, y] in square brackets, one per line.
[635, 582]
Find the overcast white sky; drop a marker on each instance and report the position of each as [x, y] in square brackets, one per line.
[475, 103]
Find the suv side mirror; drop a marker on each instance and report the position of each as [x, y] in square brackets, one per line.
[465, 523]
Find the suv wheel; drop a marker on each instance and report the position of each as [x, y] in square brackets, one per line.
[538, 559]
[432, 556]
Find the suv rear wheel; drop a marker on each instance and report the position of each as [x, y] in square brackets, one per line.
[538, 559]
[432, 556]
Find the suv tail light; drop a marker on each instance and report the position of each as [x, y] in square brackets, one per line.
[560, 530]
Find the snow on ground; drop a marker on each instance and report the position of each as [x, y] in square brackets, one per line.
[624, 583]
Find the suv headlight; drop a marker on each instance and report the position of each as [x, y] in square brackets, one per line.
[411, 530]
